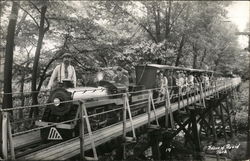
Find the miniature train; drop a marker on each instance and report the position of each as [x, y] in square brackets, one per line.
[103, 97]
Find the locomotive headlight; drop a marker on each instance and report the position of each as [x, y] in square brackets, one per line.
[56, 101]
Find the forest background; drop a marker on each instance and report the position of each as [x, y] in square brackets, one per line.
[100, 34]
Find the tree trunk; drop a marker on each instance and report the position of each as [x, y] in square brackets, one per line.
[35, 71]
[156, 13]
[167, 19]
[203, 57]
[22, 94]
[179, 53]
[22, 86]
[195, 56]
[7, 99]
[217, 62]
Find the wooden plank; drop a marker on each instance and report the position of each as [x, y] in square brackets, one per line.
[71, 147]
[25, 139]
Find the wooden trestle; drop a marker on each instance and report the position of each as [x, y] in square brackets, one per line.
[206, 116]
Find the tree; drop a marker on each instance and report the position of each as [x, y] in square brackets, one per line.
[7, 100]
[42, 31]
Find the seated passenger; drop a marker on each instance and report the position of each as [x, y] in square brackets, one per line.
[162, 84]
[121, 77]
[206, 80]
[190, 80]
[180, 81]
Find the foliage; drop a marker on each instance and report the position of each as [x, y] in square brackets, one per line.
[125, 33]
[242, 106]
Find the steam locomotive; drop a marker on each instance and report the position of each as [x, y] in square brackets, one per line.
[98, 99]
[64, 106]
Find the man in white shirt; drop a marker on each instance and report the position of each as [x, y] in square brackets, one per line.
[180, 81]
[63, 72]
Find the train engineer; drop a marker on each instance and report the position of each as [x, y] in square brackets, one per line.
[63, 72]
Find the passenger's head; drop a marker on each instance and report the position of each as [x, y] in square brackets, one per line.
[160, 74]
[179, 74]
[119, 71]
[125, 72]
[66, 58]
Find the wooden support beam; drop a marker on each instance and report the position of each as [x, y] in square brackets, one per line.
[204, 123]
[183, 128]
[213, 126]
[154, 137]
[223, 122]
[229, 119]
[195, 132]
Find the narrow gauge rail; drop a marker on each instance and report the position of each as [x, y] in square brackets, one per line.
[58, 152]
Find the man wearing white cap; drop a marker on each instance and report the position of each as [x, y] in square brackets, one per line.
[63, 73]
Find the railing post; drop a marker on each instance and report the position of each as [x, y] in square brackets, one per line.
[149, 106]
[182, 100]
[12, 152]
[168, 111]
[200, 92]
[124, 127]
[195, 93]
[216, 90]
[224, 88]
[179, 99]
[4, 135]
[166, 107]
[213, 87]
[151, 100]
[202, 96]
[89, 133]
[205, 89]
[81, 131]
